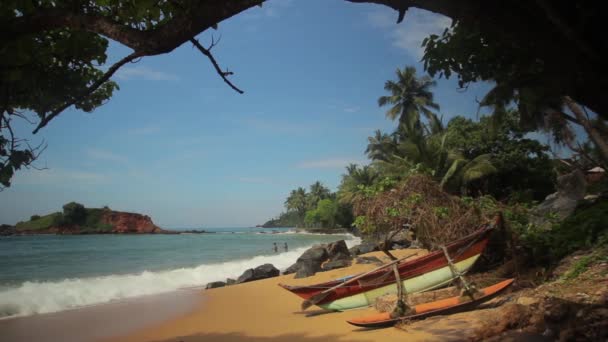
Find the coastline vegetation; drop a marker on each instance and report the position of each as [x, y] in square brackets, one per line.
[73, 214]
[444, 180]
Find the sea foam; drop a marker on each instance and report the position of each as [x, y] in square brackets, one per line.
[45, 297]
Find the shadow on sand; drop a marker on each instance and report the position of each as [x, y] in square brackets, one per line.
[239, 337]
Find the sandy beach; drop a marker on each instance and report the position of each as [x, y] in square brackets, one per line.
[262, 311]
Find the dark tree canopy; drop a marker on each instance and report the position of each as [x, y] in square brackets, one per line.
[538, 50]
[74, 213]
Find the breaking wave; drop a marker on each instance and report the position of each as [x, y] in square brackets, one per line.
[45, 297]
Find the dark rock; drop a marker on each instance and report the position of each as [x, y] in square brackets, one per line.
[309, 262]
[245, 277]
[306, 270]
[354, 250]
[331, 265]
[230, 281]
[571, 189]
[292, 269]
[368, 260]
[265, 271]
[398, 240]
[401, 246]
[6, 230]
[215, 284]
[260, 272]
[368, 247]
[338, 251]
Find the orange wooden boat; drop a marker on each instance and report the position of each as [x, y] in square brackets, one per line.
[439, 307]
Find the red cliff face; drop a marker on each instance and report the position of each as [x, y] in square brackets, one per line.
[130, 223]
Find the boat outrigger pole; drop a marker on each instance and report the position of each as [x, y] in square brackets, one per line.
[401, 307]
[467, 288]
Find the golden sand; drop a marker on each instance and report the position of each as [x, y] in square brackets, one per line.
[262, 311]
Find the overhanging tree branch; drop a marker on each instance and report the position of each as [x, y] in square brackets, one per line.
[195, 18]
[90, 90]
[223, 74]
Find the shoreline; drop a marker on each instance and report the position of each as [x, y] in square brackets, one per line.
[100, 321]
[262, 311]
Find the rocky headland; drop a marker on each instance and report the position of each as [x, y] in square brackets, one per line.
[76, 219]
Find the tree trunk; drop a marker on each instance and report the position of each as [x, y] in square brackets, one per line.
[593, 133]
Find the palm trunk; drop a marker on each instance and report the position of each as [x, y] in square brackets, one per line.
[593, 133]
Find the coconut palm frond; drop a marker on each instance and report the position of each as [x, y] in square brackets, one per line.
[478, 168]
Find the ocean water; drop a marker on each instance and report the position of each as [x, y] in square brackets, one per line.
[50, 273]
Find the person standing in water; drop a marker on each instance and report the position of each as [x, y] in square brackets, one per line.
[285, 246]
[275, 247]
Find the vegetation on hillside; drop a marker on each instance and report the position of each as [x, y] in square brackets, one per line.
[73, 214]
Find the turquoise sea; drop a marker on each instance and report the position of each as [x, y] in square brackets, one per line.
[50, 273]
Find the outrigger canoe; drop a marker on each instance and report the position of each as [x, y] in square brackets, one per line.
[425, 273]
[440, 307]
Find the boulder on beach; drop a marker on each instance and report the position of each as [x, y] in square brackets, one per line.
[338, 251]
[334, 255]
[332, 265]
[363, 248]
[260, 272]
[230, 281]
[309, 262]
[215, 284]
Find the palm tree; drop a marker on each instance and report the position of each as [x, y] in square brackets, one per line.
[354, 179]
[381, 146]
[463, 172]
[410, 97]
[296, 201]
[317, 192]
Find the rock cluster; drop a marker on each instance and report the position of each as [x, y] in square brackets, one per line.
[321, 258]
[571, 189]
[260, 272]
[400, 240]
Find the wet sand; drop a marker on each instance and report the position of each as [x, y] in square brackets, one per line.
[100, 321]
[262, 311]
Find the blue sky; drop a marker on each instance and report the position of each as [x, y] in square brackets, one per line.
[178, 144]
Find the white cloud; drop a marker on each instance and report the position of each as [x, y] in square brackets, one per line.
[330, 163]
[144, 73]
[417, 25]
[100, 154]
[352, 109]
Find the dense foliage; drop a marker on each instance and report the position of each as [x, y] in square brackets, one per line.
[528, 68]
[317, 208]
[584, 229]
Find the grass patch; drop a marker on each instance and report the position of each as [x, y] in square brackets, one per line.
[584, 262]
[579, 267]
[92, 222]
[44, 222]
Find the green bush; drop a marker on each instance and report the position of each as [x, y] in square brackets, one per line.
[74, 213]
[586, 228]
[34, 217]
